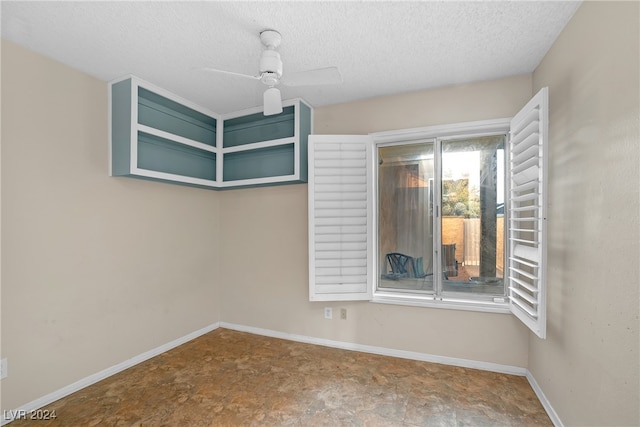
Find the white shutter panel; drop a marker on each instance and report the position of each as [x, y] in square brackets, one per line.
[340, 217]
[527, 213]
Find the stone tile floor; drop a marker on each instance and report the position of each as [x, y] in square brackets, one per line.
[230, 378]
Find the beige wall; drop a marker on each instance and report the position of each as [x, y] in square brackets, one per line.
[588, 365]
[95, 270]
[264, 260]
[494, 99]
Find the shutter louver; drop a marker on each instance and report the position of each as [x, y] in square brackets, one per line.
[340, 218]
[527, 213]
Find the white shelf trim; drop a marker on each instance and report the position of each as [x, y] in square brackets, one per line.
[256, 181]
[257, 145]
[177, 138]
[172, 177]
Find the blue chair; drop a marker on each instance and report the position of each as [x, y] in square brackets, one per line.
[401, 265]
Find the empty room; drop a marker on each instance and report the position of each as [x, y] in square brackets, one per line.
[320, 213]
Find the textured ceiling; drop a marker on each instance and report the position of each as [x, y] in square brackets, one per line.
[380, 48]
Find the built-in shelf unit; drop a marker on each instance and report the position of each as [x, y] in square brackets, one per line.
[159, 136]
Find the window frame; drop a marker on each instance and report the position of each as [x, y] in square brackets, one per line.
[436, 134]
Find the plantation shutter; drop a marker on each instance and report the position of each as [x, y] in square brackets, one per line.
[340, 217]
[527, 213]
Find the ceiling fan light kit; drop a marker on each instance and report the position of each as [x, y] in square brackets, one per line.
[271, 73]
[272, 102]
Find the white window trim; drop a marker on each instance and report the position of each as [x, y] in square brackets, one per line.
[466, 129]
[386, 297]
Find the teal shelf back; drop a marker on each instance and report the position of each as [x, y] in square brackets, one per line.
[162, 155]
[259, 128]
[258, 163]
[161, 113]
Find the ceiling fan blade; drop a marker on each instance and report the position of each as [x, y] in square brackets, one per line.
[231, 73]
[319, 76]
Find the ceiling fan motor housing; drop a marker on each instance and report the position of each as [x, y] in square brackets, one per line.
[270, 67]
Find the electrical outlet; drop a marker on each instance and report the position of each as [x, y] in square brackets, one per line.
[328, 313]
[3, 368]
[343, 313]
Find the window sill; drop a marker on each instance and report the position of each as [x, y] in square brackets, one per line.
[449, 304]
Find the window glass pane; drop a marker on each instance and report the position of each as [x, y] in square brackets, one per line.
[405, 215]
[473, 179]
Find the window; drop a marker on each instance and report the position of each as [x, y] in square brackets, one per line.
[441, 235]
[447, 216]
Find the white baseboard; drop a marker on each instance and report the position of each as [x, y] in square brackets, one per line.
[424, 357]
[555, 419]
[9, 415]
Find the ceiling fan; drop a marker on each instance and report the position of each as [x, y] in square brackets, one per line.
[271, 73]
